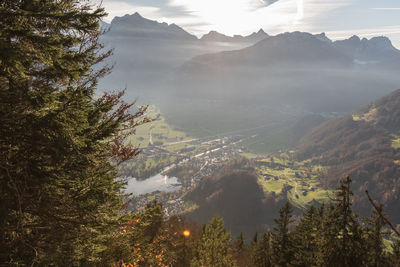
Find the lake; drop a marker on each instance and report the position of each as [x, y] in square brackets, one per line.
[157, 182]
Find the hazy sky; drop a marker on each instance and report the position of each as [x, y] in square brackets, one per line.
[338, 18]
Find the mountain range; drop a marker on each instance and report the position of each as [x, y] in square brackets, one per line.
[147, 51]
[134, 26]
[214, 36]
[291, 74]
[217, 83]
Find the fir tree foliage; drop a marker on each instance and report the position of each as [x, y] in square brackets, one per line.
[255, 239]
[395, 257]
[212, 248]
[153, 240]
[304, 237]
[282, 240]
[261, 252]
[240, 251]
[374, 234]
[239, 245]
[60, 201]
[340, 238]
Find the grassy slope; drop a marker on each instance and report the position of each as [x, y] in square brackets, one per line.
[161, 132]
[365, 146]
[298, 181]
[396, 142]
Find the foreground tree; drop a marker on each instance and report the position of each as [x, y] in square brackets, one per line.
[60, 201]
[238, 245]
[374, 235]
[305, 238]
[261, 252]
[282, 240]
[240, 252]
[212, 248]
[340, 235]
[152, 240]
[395, 257]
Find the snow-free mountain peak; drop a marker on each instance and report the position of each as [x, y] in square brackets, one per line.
[365, 50]
[261, 31]
[137, 26]
[214, 36]
[257, 36]
[380, 43]
[322, 37]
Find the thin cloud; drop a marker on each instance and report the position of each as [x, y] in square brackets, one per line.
[300, 11]
[386, 8]
[246, 16]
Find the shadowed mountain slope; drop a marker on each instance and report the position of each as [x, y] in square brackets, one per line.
[302, 70]
[364, 145]
[236, 196]
[291, 74]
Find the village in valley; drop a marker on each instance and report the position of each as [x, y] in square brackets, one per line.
[178, 163]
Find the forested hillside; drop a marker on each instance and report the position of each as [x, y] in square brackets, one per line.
[364, 145]
[235, 195]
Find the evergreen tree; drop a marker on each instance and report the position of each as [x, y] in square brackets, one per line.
[240, 251]
[181, 246]
[255, 239]
[153, 240]
[212, 248]
[239, 245]
[395, 257]
[305, 239]
[340, 240]
[282, 243]
[327, 236]
[374, 239]
[60, 201]
[261, 252]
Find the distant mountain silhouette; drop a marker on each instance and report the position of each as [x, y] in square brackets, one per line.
[299, 48]
[104, 25]
[137, 26]
[301, 70]
[375, 50]
[214, 36]
[147, 51]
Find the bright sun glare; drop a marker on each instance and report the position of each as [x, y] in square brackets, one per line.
[232, 17]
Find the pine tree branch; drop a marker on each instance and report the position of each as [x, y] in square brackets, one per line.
[381, 215]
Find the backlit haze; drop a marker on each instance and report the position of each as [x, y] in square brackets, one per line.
[338, 18]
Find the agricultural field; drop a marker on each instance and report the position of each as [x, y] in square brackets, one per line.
[143, 167]
[370, 116]
[189, 206]
[158, 132]
[298, 180]
[249, 155]
[396, 142]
